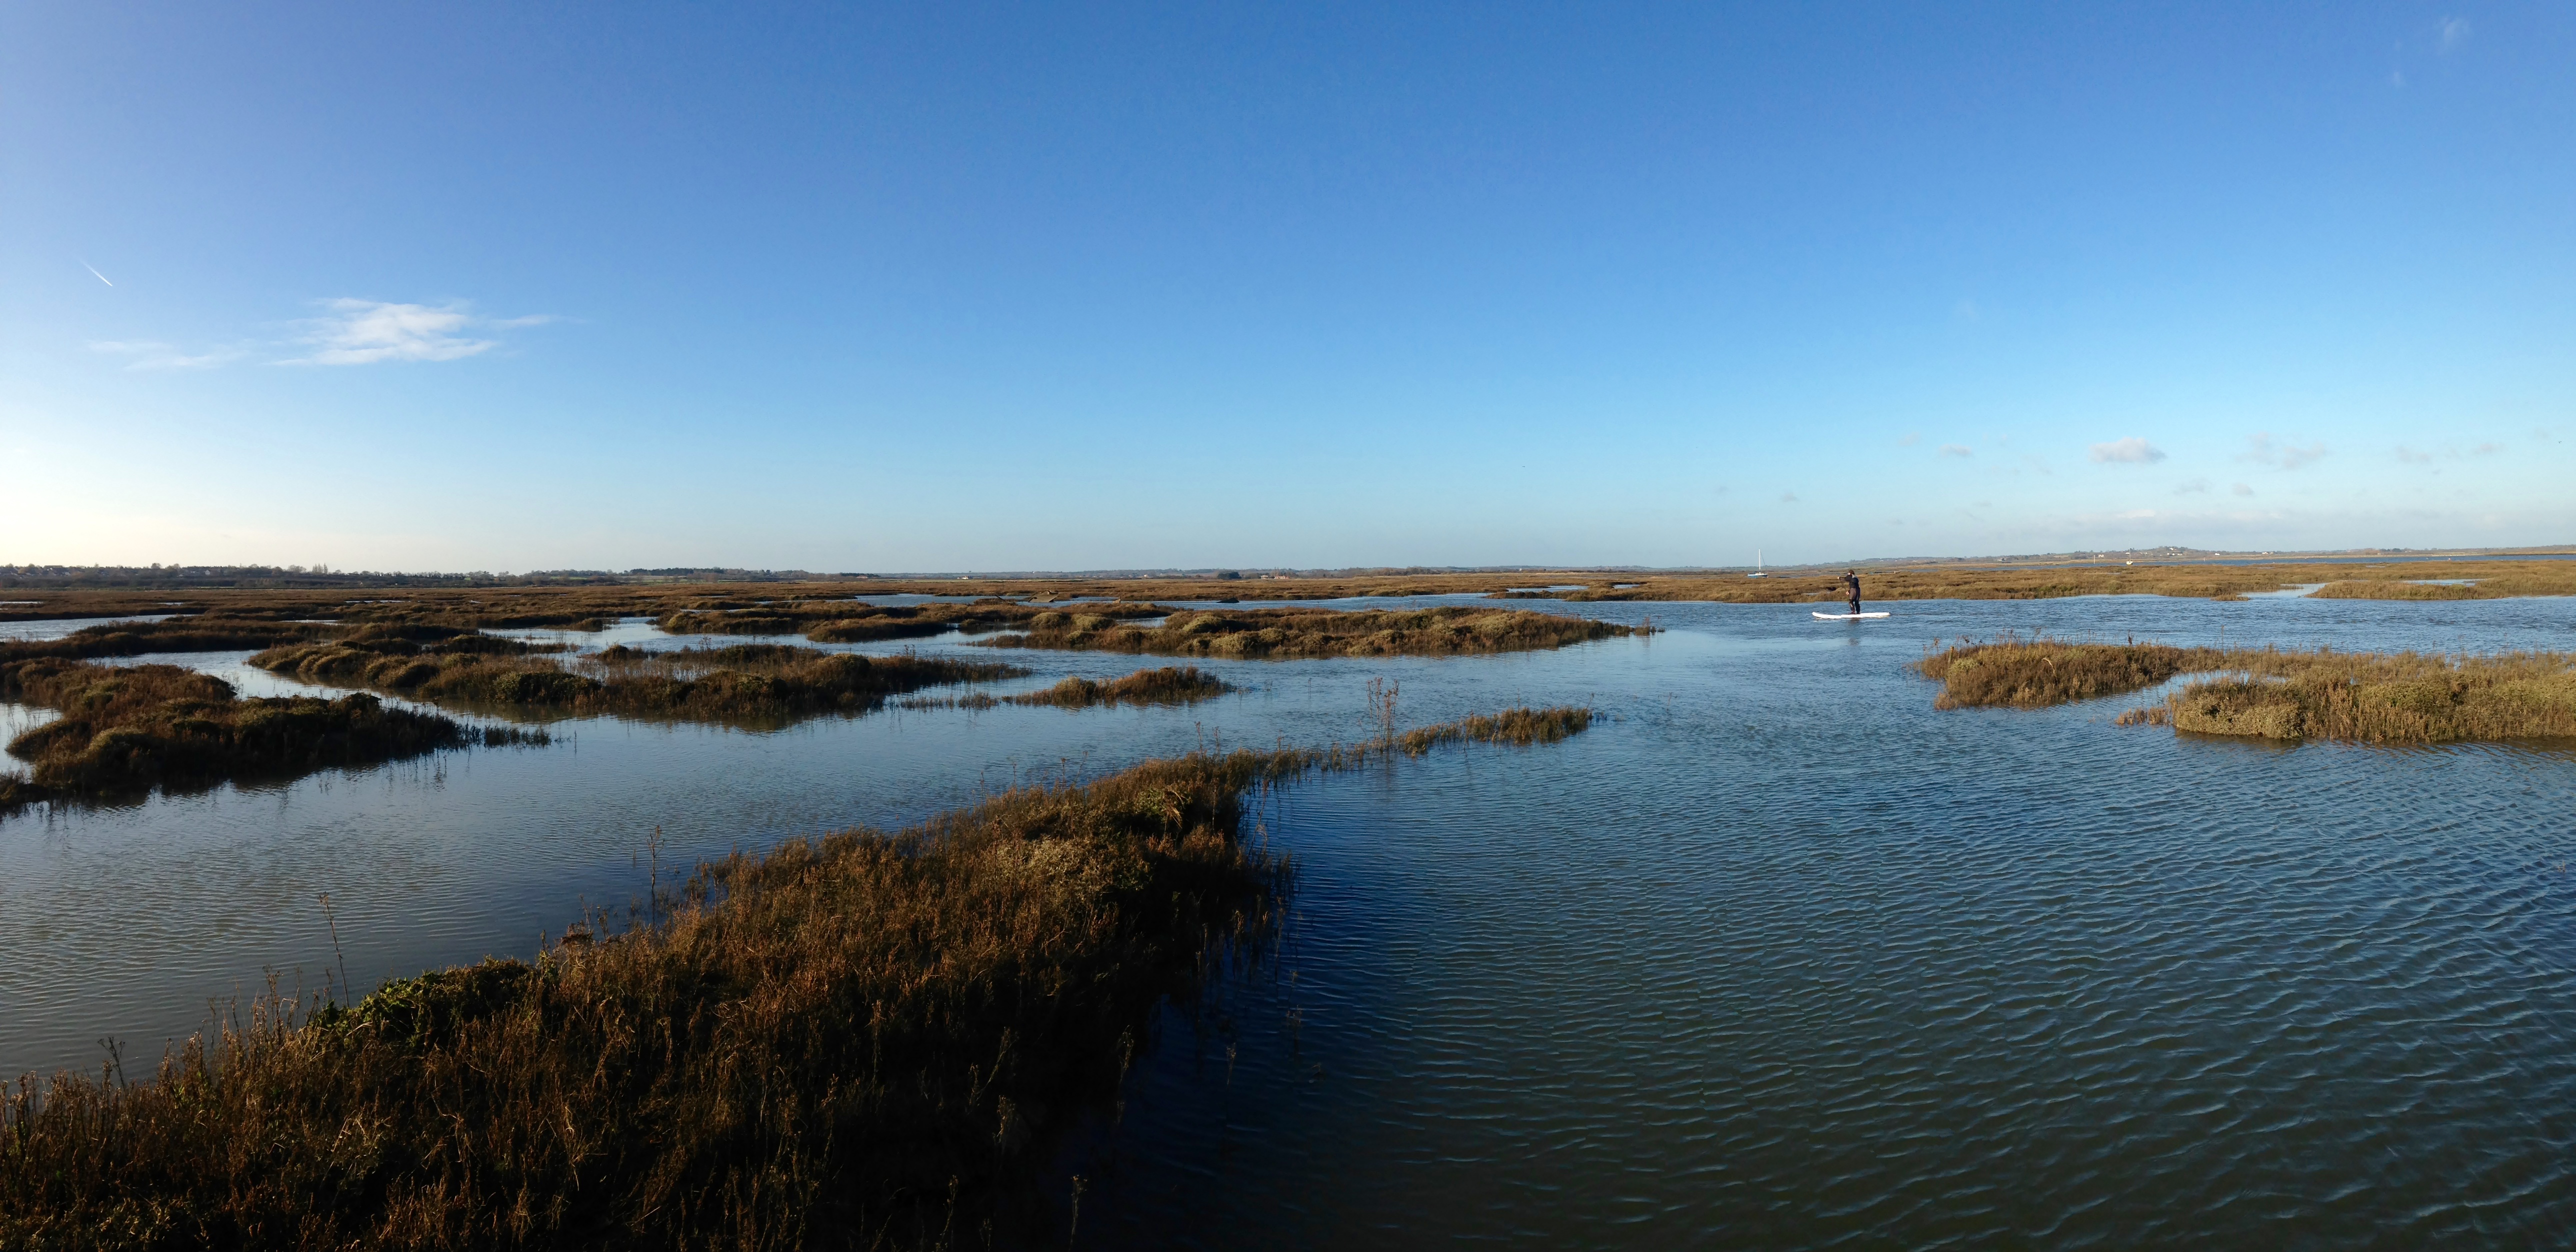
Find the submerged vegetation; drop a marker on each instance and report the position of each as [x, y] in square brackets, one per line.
[125, 730]
[2404, 697]
[1281, 634]
[859, 1040]
[741, 683]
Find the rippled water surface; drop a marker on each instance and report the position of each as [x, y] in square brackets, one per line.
[1775, 956]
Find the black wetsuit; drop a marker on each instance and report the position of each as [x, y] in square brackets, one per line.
[1851, 581]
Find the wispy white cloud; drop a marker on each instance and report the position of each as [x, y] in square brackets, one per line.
[367, 332]
[1911, 438]
[146, 354]
[2196, 487]
[2263, 449]
[1956, 449]
[1788, 497]
[2130, 451]
[2413, 457]
[352, 332]
[2243, 489]
[2455, 31]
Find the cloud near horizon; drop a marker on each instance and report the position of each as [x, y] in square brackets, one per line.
[2263, 449]
[145, 354]
[2129, 451]
[366, 332]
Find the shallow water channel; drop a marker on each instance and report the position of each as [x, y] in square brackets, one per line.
[1775, 956]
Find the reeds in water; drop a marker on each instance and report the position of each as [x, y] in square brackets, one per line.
[859, 1040]
[2039, 672]
[2402, 697]
[126, 730]
[1284, 634]
[741, 683]
[1170, 685]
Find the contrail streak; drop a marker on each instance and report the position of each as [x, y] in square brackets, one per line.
[94, 272]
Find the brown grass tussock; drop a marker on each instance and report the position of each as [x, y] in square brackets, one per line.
[2403, 697]
[127, 730]
[1286, 634]
[860, 1040]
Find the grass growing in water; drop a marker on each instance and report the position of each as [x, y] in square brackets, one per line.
[1519, 727]
[2037, 673]
[743, 683]
[185, 634]
[844, 621]
[2404, 697]
[1169, 685]
[124, 731]
[1283, 634]
[857, 1040]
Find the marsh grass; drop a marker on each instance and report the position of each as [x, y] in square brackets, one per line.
[1170, 685]
[2352, 589]
[1183, 685]
[858, 1040]
[2039, 672]
[808, 607]
[745, 684]
[1285, 634]
[2402, 697]
[127, 730]
[181, 634]
[845, 621]
[1517, 727]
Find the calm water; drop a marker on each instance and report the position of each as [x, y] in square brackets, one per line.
[1776, 956]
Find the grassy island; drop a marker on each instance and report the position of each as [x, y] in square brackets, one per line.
[125, 731]
[1284, 634]
[743, 683]
[1170, 685]
[863, 1040]
[2404, 697]
[848, 621]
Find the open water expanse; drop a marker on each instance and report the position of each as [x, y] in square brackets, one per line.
[1774, 956]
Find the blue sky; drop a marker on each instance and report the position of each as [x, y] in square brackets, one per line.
[951, 287]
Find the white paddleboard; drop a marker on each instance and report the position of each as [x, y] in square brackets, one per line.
[1845, 617]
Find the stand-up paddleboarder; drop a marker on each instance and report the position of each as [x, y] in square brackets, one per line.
[1851, 588]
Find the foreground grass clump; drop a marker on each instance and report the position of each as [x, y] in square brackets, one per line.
[124, 731]
[1282, 634]
[2406, 697]
[743, 683]
[860, 1040]
[2403, 697]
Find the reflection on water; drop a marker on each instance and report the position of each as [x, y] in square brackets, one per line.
[1775, 956]
[56, 628]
